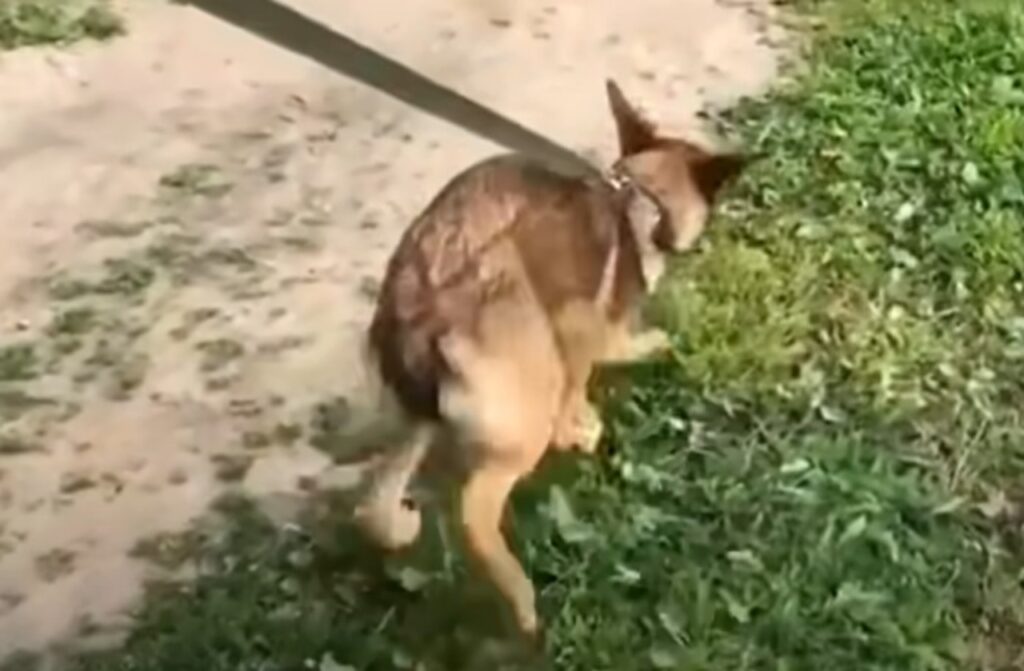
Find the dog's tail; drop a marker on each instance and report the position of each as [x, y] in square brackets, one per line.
[359, 427]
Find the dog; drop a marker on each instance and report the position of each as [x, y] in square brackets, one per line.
[497, 304]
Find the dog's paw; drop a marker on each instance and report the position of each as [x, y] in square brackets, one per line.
[529, 624]
[524, 610]
[650, 343]
[391, 527]
[580, 430]
[632, 348]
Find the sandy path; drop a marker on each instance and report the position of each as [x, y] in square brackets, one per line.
[191, 224]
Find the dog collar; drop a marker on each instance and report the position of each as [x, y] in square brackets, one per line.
[618, 179]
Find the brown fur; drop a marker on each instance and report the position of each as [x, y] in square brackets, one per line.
[497, 304]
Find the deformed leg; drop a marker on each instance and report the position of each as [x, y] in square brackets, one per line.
[385, 514]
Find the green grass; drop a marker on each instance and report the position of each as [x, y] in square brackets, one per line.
[196, 179]
[125, 277]
[36, 22]
[18, 362]
[826, 477]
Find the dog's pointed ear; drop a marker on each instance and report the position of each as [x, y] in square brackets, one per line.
[636, 133]
[714, 171]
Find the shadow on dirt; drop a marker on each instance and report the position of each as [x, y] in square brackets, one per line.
[311, 594]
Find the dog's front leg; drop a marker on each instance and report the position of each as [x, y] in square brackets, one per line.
[579, 426]
[580, 331]
[626, 347]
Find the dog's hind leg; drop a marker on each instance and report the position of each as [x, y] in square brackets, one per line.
[503, 407]
[484, 496]
[385, 514]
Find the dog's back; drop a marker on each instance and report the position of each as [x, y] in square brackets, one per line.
[505, 225]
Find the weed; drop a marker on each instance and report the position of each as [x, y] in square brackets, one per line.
[55, 564]
[287, 434]
[12, 444]
[125, 277]
[300, 243]
[68, 289]
[127, 375]
[18, 362]
[73, 322]
[231, 467]
[15, 402]
[181, 256]
[22, 660]
[191, 320]
[73, 482]
[114, 229]
[34, 22]
[197, 179]
[256, 440]
[169, 551]
[232, 257]
[217, 354]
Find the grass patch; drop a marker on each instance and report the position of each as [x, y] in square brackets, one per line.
[218, 354]
[15, 402]
[13, 444]
[125, 277]
[104, 228]
[181, 256]
[168, 551]
[35, 22]
[73, 321]
[826, 477]
[18, 363]
[199, 179]
[268, 598]
[127, 375]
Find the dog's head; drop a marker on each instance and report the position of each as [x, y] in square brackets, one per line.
[681, 177]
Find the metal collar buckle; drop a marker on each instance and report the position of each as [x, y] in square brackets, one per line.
[618, 179]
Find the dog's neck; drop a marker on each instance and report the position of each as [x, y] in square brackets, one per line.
[643, 214]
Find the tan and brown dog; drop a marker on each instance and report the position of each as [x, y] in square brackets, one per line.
[497, 304]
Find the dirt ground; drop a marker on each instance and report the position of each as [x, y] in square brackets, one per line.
[192, 225]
